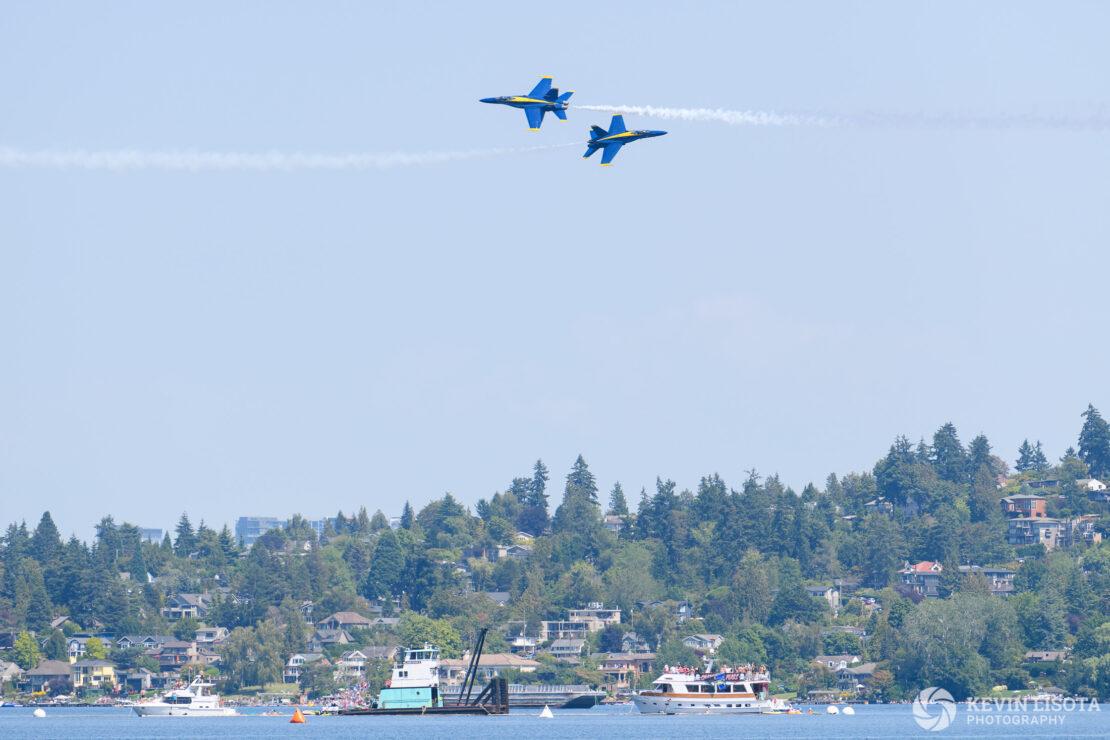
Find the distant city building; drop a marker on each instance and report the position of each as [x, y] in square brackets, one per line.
[151, 535]
[249, 528]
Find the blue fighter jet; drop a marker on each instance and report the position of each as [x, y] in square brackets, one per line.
[542, 99]
[613, 139]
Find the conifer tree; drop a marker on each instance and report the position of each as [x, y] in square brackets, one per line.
[186, 540]
[618, 506]
[1094, 442]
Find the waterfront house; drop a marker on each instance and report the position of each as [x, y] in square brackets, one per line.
[298, 663]
[10, 672]
[453, 670]
[47, 671]
[138, 680]
[351, 664]
[622, 669]
[855, 678]
[92, 674]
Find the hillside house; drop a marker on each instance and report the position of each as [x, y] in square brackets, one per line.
[923, 577]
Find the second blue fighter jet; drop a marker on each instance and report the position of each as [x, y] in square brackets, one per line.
[542, 99]
[612, 140]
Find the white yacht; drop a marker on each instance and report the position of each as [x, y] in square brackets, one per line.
[691, 691]
[195, 700]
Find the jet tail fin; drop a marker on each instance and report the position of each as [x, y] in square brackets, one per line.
[589, 152]
[561, 114]
[564, 97]
[596, 132]
[552, 94]
[616, 126]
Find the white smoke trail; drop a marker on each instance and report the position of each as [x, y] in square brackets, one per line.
[193, 161]
[731, 117]
[996, 122]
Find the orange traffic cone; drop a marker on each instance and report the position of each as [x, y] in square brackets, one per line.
[298, 718]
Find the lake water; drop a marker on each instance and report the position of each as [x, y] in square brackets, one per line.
[870, 721]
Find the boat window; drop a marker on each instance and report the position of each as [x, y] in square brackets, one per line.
[692, 688]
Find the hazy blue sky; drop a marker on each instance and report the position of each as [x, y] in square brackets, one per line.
[724, 298]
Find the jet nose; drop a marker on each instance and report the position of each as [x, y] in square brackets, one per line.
[488, 100]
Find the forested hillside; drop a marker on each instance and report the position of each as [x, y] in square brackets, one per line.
[739, 554]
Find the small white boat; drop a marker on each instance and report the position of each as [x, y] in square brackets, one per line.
[194, 700]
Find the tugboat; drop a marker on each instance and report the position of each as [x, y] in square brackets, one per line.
[680, 690]
[415, 681]
[192, 701]
[413, 688]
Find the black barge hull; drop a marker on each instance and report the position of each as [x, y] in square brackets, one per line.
[480, 710]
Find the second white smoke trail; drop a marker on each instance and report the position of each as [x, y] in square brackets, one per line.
[192, 161]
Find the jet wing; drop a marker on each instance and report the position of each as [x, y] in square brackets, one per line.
[610, 152]
[535, 116]
[541, 89]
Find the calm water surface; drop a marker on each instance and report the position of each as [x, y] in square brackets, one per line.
[870, 721]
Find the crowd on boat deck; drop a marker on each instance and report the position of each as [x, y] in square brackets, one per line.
[747, 671]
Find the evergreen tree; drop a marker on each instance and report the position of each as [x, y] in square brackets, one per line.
[137, 567]
[362, 522]
[56, 646]
[387, 567]
[46, 543]
[978, 454]
[1094, 442]
[407, 517]
[581, 482]
[617, 504]
[186, 541]
[948, 456]
[1025, 457]
[538, 495]
[1040, 461]
[378, 522]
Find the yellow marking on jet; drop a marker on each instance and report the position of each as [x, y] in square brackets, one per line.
[610, 164]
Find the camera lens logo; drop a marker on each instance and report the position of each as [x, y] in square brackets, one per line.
[934, 709]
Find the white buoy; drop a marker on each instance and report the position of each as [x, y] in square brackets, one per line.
[546, 713]
[832, 710]
[848, 710]
[40, 712]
